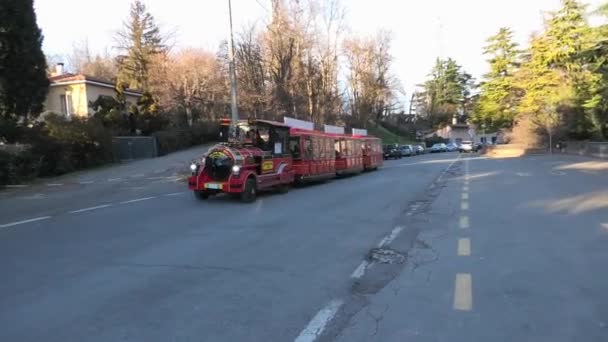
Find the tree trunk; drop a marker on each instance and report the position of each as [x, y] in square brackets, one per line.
[550, 141]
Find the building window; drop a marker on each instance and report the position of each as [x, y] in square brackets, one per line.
[65, 100]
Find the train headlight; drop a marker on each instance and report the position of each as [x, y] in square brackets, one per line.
[236, 170]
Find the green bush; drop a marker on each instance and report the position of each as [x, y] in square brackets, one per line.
[17, 168]
[60, 145]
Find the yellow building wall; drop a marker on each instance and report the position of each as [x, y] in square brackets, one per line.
[81, 95]
[51, 103]
[79, 99]
[93, 93]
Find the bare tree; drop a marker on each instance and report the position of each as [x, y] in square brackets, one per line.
[371, 84]
[190, 82]
[83, 61]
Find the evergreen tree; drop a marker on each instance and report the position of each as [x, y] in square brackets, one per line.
[596, 104]
[23, 79]
[556, 82]
[140, 40]
[498, 99]
[447, 92]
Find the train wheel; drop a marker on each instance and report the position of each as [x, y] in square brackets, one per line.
[201, 195]
[250, 192]
[283, 189]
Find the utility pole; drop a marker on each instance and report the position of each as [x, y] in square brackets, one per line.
[233, 93]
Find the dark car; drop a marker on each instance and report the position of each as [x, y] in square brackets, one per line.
[392, 151]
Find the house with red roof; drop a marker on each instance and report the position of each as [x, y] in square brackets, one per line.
[70, 94]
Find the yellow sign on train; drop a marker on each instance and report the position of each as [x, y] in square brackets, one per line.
[267, 166]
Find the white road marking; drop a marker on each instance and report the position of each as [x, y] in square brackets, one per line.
[90, 208]
[465, 188]
[449, 166]
[156, 178]
[114, 179]
[35, 219]
[388, 239]
[464, 206]
[16, 186]
[54, 184]
[316, 326]
[139, 175]
[463, 292]
[464, 247]
[86, 182]
[360, 270]
[465, 196]
[464, 222]
[175, 194]
[138, 200]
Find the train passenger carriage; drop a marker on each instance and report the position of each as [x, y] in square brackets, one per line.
[313, 155]
[372, 153]
[349, 155]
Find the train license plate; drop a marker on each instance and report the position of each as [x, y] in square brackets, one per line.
[215, 186]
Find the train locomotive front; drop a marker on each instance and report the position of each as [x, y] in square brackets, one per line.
[255, 160]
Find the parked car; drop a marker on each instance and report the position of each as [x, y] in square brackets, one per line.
[419, 149]
[391, 151]
[441, 147]
[468, 146]
[407, 150]
[451, 147]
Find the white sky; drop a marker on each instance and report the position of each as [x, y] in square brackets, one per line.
[422, 29]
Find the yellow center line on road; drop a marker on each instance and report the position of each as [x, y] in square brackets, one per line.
[464, 247]
[464, 222]
[464, 206]
[463, 292]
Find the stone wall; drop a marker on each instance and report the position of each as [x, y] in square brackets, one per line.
[586, 148]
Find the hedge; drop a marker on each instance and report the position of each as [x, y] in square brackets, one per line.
[57, 146]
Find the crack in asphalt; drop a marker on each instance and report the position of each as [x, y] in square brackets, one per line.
[377, 319]
[418, 214]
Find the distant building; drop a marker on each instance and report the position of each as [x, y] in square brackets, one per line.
[69, 94]
[457, 133]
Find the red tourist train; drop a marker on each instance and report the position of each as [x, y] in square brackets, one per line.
[271, 155]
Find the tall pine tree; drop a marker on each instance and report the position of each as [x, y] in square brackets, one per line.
[140, 40]
[498, 99]
[23, 79]
[447, 92]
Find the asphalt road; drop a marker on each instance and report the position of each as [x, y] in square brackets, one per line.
[397, 254]
[141, 260]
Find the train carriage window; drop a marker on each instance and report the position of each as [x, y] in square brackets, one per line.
[308, 148]
[338, 148]
[343, 148]
[349, 148]
[315, 147]
[295, 148]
